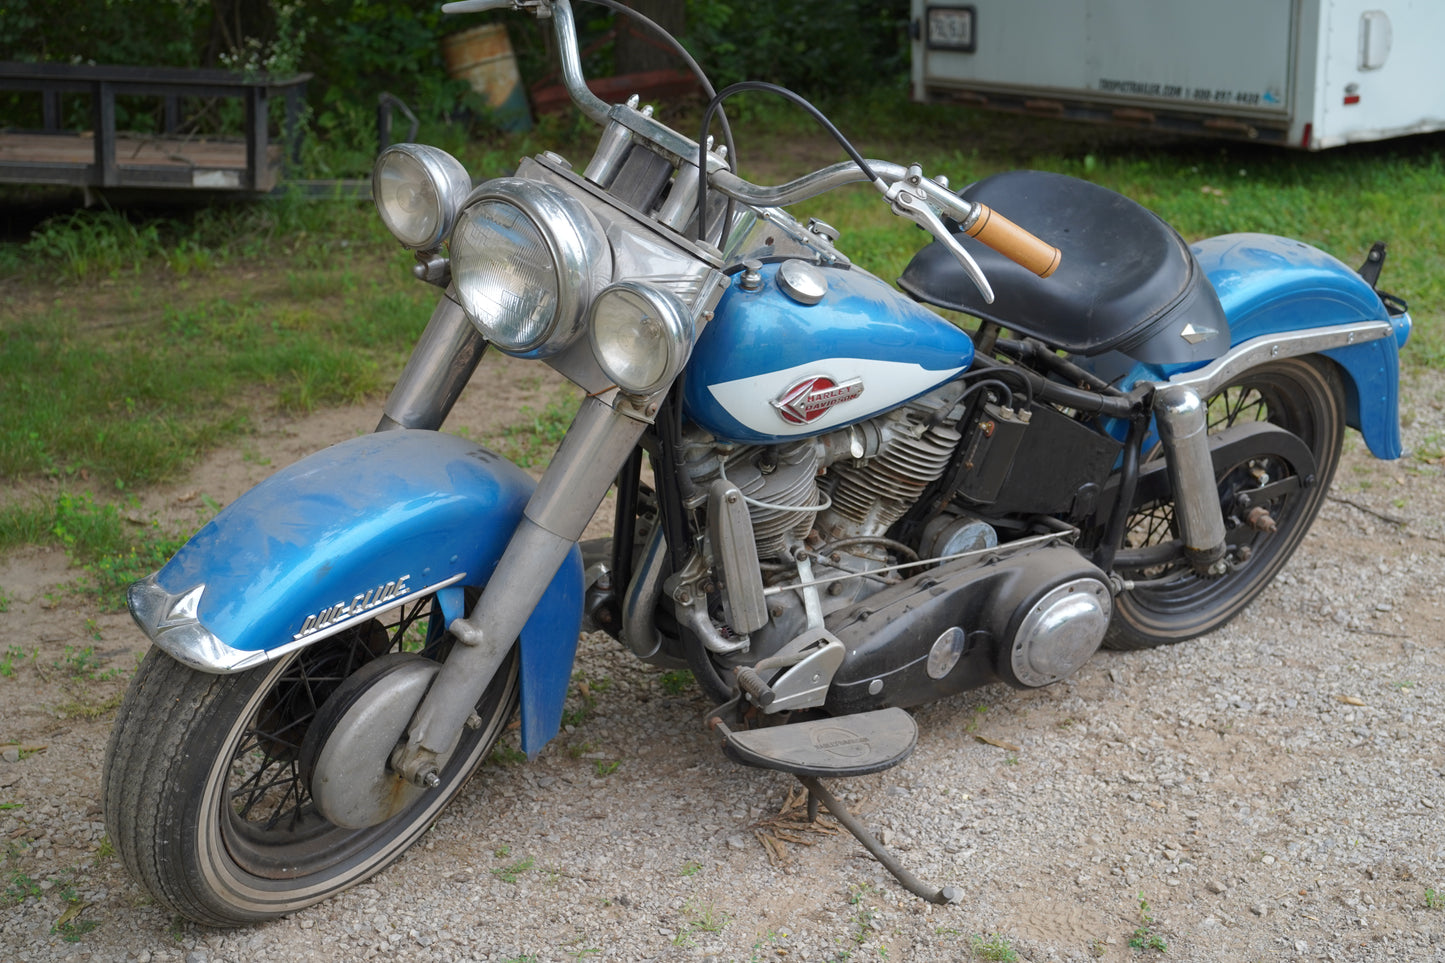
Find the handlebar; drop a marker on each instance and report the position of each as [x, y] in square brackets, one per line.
[1013, 242]
[910, 194]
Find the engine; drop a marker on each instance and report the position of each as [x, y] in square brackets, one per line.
[832, 499]
[821, 510]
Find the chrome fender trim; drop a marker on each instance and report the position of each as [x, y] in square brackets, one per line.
[1286, 344]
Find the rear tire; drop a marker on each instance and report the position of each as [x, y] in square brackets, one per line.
[1304, 396]
[204, 790]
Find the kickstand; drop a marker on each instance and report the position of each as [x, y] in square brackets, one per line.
[914, 885]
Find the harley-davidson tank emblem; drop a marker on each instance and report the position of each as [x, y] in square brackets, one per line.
[360, 603]
[810, 399]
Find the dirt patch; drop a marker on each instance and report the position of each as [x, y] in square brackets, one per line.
[1271, 791]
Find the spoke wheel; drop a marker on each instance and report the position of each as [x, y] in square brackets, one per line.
[206, 788]
[1172, 602]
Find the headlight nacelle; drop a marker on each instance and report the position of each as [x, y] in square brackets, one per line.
[418, 191]
[526, 260]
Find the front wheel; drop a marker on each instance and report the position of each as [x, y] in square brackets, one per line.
[208, 779]
[1172, 602]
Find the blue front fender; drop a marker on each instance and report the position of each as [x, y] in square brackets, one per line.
[340, 535]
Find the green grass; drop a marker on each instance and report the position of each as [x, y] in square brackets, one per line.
[170, 336]
[173, 373]
[513, 871]
[1144, 937]
[531, 440]
[110, 548]
[993, 947]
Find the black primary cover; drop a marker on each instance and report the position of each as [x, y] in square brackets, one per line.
[1127, 281]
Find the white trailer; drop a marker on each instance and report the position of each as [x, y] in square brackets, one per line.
[1301, 73]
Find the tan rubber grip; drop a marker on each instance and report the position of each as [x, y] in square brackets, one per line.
[1014, 243]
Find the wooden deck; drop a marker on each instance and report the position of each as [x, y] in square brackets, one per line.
[174, 162]
[104, 157]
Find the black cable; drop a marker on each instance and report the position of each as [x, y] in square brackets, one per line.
[1030, 349]
[715, 104]
[1000, 371]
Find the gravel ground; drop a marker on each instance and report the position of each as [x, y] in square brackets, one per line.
[1270, 792]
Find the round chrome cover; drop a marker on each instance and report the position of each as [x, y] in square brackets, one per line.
[801, 281]
[1061, 631]
[947, 650]
[354, 734]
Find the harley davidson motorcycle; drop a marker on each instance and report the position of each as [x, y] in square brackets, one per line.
[850, 507]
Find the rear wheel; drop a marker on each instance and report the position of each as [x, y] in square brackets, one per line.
[1171, 602]
[208, 779]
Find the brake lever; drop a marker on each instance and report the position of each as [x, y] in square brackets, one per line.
[482, 6]
[906, 203]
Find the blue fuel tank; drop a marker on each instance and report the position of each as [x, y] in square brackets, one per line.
[771, 367]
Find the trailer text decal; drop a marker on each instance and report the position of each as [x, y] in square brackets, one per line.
[1202, 94]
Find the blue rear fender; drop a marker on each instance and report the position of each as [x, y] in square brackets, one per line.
[342, 534]
[1271, 285]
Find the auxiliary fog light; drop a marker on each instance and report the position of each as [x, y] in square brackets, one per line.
[641, 336]
[418, 191]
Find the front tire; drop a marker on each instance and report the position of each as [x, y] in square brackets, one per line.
[205, 790]
[1304, 396]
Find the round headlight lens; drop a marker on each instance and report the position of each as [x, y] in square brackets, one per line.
[505, 275]
[418, 190]
[526, 258]
[640, 336]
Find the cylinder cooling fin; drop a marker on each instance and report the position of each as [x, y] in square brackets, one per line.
[781, 488]
[867, 500]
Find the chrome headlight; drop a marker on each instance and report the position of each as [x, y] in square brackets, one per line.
[418, 191]
[526, 259]
[641, 336]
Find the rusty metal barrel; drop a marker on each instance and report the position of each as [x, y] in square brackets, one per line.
[482, 56]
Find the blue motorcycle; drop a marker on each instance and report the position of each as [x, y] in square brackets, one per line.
[832, 504]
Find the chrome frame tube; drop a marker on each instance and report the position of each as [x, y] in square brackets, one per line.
[440, 366]
[1182, 418]
[639, 631]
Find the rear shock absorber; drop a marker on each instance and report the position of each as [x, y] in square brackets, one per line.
[1182, 417]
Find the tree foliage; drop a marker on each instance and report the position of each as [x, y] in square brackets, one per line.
[356, 49]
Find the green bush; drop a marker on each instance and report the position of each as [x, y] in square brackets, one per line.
[356, 49]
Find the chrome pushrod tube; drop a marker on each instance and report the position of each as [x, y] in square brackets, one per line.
[439, 368]
[598, 442]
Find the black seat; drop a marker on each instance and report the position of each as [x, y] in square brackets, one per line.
[1127, 281]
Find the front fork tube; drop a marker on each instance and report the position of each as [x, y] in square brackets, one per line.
[1183, 422]
[595, 447]
[440, 366]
